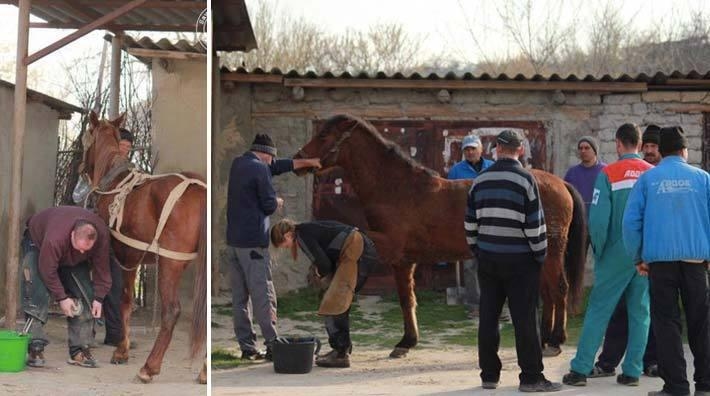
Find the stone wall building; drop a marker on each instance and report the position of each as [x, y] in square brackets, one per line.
[429, 114]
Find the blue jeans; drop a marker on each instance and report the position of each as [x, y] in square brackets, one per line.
[35, 299]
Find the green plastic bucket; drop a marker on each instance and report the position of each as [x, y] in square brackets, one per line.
[13, 351]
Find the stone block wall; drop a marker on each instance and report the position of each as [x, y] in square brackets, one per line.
[246, 109]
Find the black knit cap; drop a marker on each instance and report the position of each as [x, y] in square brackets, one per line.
[672, 139]
[263, 144]
[652, 134]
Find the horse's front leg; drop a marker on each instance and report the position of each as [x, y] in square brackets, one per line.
[390, 250]
[404, 275]
[120, 354]
[202, 378]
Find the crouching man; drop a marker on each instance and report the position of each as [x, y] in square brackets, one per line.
[57, 247]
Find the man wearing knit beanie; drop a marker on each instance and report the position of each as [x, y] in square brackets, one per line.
[651, 140]
[251, 199]
[583, 175]
[666, 229]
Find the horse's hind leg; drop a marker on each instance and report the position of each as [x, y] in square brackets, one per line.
[120, 354]
[404, 275]
[169, 274]
[559, 332]
[554, 318]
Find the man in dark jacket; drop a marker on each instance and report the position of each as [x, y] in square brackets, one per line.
[251, 199]
[57, 247]
[505, 229]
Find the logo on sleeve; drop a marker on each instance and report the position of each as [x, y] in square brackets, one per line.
[595, 196]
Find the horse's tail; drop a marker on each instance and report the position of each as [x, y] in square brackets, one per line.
[198, 330]
[576, 253]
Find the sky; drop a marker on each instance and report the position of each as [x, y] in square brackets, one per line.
[443, 26]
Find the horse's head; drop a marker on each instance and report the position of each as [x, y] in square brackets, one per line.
[100, 142]
[327, 142]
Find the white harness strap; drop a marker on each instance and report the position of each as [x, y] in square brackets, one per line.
[123, 188]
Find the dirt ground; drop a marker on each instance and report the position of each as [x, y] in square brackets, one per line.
[435, 369]
[58, 378]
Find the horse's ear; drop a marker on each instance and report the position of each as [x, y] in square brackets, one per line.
[118, 122]
[93, 119]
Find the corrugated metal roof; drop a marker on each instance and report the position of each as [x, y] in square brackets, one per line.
[659, 77]
[660, 80]
[65, 109]
[162, 44]
[232, 27]
[232, 31]
[163, 15]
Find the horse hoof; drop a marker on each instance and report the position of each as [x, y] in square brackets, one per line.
[144, 377]
[551, 351]
[119, 360]
[202, 380]
[399, 352]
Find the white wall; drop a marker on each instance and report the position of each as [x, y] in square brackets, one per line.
[39, 164]
[179, 116]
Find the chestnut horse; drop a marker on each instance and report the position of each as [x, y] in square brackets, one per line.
[183, 234]
[416, 216]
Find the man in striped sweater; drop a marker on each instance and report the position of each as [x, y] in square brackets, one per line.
[505, 229]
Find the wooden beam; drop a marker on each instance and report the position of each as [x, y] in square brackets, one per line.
[19, 120]
[510, 85]
[117, 27]
[115, 92]
[165, 54]
[185, 5]
[83, 31]
[252, 78]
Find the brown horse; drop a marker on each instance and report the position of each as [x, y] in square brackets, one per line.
[183, 233]
[416, 216]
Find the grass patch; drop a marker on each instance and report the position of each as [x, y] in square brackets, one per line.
[297, 303]
[222, 309]
[223, 359]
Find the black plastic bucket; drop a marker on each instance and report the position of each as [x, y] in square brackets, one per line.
[294, 355]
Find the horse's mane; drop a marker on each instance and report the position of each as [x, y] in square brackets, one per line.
[390, 146]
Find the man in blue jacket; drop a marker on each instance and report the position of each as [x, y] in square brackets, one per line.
[471, 166]
[251, 199]
[666, 229]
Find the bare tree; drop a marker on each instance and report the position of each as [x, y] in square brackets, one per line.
[81, 81]
[286, 42]
[538, 31]
[607, 32]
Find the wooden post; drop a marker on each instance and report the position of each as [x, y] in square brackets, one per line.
[115, 96]
[13, 243]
